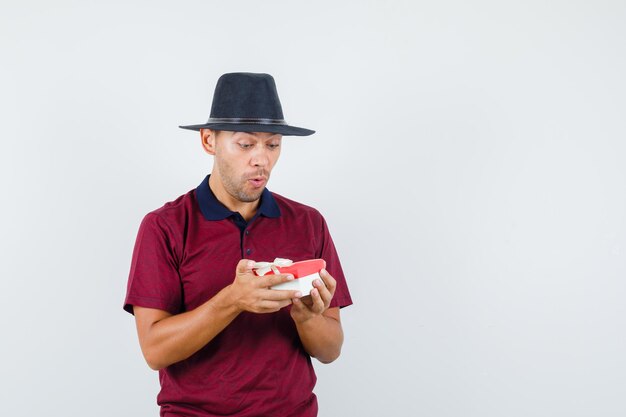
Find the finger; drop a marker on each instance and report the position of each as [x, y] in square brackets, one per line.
[244, 266]
[328, 279]
[318, 303]
[276, 295]
[307, 300]
[324, 292]
[271, 280]
[297, 304]
[271, 306]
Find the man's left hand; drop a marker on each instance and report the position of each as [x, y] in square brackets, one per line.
[317, 303]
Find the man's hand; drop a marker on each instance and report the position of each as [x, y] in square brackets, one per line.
[317, 303]
[252, 293]
[166, 339]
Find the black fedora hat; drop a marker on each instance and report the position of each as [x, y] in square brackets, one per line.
[248, 102]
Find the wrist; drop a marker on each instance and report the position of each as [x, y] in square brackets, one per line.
[228, 301]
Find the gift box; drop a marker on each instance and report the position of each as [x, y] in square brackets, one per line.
[304, 272]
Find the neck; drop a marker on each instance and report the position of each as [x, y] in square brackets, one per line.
[246, 209]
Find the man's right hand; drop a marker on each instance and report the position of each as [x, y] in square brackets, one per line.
[252, 293]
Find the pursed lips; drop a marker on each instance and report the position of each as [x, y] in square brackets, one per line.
[257, 180]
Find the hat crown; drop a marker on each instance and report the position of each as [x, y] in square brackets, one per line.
[248, 102]
[246, 95]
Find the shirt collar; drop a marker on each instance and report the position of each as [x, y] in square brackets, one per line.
[212, 209]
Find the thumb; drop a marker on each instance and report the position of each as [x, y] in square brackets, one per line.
[245, 266]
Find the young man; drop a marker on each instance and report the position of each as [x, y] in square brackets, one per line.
[224, 342]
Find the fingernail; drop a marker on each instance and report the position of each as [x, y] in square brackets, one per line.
[298, 294]
[317, 282]
[290, 277]
[250, 264]
[324, 271]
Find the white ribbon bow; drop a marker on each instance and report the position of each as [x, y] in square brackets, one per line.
[263, 268]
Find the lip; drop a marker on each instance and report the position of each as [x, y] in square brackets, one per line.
[257, 182]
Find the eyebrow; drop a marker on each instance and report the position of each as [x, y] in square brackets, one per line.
[256, 134]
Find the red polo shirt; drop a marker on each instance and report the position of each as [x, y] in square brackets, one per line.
[185, 253]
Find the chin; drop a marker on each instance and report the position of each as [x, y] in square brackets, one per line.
[249, 198]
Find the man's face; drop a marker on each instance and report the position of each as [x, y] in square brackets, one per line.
[245, 160]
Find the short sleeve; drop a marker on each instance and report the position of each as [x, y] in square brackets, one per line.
[328, 252]
[154, 281]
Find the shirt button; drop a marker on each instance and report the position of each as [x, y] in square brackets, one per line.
[248, 251]
[247, 232]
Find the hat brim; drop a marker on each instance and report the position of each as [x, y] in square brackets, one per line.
[284, 130]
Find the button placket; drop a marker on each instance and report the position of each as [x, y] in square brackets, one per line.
[247, 249]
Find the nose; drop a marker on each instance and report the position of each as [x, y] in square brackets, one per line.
[260, 157]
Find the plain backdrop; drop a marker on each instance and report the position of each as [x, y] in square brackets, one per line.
[469, 159]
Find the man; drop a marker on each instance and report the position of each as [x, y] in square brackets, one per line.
[224, 342]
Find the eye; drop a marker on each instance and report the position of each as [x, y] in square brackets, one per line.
[273, 145]
[245, 145]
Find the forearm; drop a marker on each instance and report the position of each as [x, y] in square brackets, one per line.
[177, 337]
[322, 337]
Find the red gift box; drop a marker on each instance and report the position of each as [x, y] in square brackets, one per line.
[304, 273]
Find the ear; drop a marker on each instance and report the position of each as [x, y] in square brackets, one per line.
[207, 136]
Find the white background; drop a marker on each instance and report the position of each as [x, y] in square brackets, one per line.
[469, 159]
